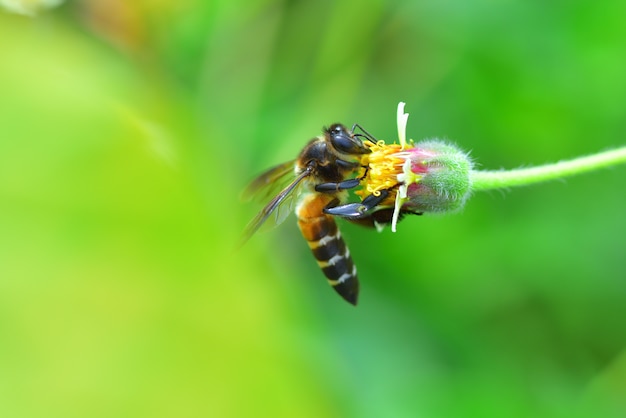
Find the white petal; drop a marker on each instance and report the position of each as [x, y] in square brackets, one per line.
[402, 121]
[396, 212]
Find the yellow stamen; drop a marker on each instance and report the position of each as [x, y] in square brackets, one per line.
[384, 165]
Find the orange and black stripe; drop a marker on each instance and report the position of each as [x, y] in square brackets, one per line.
[328, 247]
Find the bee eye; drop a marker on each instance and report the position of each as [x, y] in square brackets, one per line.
[343, 141]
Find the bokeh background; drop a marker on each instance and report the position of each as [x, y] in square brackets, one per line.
[127, 130]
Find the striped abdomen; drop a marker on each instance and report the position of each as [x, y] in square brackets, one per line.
[327, 245]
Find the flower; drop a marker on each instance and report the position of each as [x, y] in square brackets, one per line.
[430, 176]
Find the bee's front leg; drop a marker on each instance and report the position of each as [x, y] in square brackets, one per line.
[334, 187]
[356, 210]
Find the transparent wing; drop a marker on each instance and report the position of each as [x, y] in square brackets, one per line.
[281, 205]
[269, 183]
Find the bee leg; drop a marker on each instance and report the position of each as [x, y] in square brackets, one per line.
[342, 185]
[333, 187]
[356, 210]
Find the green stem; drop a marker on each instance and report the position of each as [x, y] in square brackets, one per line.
[487, 180]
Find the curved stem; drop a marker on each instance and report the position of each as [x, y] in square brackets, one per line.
[487, 180]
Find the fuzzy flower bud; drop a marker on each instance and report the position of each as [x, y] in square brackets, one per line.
[430, 176]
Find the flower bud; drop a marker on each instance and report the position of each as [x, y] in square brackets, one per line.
[436, 177]
[431, 176]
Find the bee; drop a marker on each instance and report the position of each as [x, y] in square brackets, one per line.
[317, 184]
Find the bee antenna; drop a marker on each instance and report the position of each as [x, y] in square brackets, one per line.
[365, 134]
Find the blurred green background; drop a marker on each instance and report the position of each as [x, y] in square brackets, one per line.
[127, 130]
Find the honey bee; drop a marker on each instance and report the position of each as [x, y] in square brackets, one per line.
[317, 184]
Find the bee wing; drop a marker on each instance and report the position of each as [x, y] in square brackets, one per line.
[282, 203]
[269, 183]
